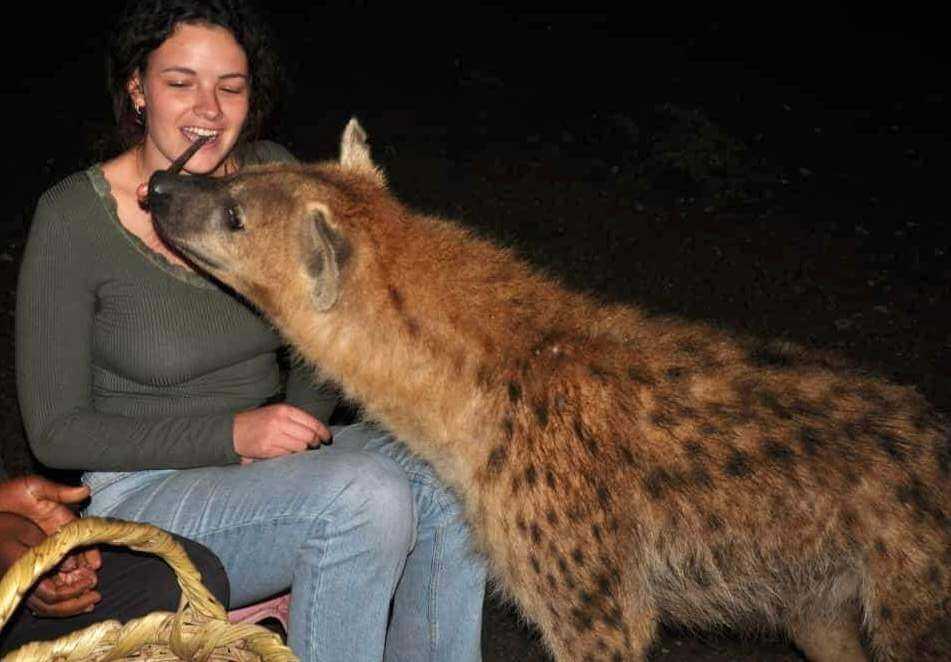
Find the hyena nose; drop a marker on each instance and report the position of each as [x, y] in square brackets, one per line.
[161, 185]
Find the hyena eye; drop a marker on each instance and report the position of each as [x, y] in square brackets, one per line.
[233, 219]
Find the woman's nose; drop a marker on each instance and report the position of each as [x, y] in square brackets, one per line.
[207, 106]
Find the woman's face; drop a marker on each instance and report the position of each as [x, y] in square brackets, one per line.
[195, 83]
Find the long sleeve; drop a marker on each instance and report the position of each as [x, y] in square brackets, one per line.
[56, 303]
[124, 360]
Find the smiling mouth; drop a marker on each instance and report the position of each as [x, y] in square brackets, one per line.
[193, 133]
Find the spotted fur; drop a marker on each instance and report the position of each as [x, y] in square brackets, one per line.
[617, 469]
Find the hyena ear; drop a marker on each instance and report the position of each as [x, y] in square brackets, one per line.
[325, 253]
[355, 151]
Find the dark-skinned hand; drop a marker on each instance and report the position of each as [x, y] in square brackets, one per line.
[32, 508]
[65, 592]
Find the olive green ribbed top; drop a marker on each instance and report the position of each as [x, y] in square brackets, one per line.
[126, 361]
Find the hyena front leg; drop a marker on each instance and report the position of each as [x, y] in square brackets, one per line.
[601, 633]
[825, 640]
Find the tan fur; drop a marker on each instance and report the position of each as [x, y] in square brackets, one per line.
[617, 469]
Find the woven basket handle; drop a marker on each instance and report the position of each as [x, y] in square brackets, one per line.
[93, 530]
[178, 634]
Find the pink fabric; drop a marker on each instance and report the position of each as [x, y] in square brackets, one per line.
[278, 608]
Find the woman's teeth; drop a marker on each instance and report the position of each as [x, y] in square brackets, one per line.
[193, 133]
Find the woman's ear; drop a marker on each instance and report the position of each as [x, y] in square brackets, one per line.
[135, 90]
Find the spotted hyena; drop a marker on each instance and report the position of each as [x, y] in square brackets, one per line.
[617, 469]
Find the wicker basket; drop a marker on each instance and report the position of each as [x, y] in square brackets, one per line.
[198, 631]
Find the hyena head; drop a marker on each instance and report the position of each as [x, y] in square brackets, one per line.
[278, 234]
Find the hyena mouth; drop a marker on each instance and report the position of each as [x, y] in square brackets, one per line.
[183, 249]
[205, 262]
[161, 187]
[152, 198]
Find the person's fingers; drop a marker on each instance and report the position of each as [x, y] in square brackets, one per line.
[82, 576]
[83, 603]
[301, 417]
[319, 433]
[42, 489]
[301, 432]
[276, 430]
[51, 592]
[50, 516]
[315, 442]
[291, 444]
[42, 501]
[278, 444]
[68, 564]
[93, 558]
[323, 432]
[71, 494]
[87, 560]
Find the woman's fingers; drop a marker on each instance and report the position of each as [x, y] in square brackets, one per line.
[309, 434]
[276, 430]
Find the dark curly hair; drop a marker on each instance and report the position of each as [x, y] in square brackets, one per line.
[144, 25]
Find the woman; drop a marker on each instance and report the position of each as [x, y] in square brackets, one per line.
[157, 383]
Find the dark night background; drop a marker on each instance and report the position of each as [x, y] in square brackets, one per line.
[778, 170]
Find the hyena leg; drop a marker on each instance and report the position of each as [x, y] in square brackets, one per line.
[610, 634]
[824, 640]
[920, 633]
[909, 614]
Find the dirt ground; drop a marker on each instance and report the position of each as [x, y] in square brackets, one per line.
[782, 206]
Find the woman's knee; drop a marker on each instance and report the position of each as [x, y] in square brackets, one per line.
[374, 502]
[436, 503]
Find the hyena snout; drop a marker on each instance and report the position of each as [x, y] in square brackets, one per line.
[180, 204]
[162, 187]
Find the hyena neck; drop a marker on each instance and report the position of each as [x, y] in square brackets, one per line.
[424, 342]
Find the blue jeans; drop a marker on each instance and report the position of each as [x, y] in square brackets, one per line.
[350, 528]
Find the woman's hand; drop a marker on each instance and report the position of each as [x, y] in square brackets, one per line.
[67, 592]
[276, 430]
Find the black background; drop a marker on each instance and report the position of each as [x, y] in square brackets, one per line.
[513, 119]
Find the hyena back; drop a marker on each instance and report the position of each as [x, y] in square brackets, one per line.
[617, 469]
